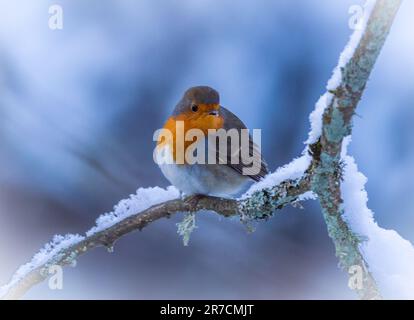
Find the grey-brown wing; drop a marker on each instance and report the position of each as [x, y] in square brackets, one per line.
[242, 155]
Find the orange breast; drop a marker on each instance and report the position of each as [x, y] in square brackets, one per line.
[180, 125]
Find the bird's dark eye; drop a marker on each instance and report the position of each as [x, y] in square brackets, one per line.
[194, 108]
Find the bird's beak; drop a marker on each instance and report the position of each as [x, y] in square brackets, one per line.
[214, 113]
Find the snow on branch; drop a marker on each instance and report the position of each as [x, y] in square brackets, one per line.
[324, 170]
[390, 258]
[146, 206]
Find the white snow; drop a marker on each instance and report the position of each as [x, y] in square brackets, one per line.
[336, 78]
[293, 170]
[142, 200]
[45, 255]
[351, 46]
[390, 258]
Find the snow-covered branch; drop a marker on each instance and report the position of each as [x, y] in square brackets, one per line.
[324, 170]
[344, 92]
[146, 206]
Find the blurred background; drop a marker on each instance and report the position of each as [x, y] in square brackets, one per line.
[78, 108]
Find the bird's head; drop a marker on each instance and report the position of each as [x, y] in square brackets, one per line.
[199, 108]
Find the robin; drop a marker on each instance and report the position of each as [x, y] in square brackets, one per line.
[199, 109]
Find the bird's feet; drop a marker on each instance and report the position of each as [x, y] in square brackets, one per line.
[193, 201]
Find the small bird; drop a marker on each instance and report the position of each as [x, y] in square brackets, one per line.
[200, 108]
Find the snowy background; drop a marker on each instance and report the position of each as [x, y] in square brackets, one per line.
[78, 108]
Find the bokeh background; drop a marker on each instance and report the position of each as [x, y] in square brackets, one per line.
[78, 108]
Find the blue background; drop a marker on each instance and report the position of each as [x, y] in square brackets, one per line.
[78, 108]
